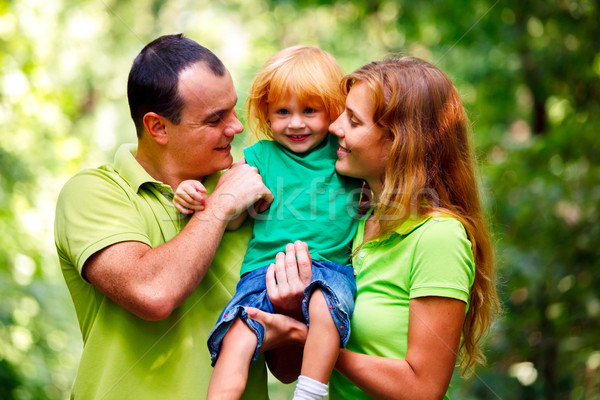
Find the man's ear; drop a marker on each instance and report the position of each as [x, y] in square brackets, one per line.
[155, 126]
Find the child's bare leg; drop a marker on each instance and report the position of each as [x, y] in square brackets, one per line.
[323, 341]
[230, 375]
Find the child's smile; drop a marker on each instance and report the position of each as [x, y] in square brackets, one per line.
[298, 127]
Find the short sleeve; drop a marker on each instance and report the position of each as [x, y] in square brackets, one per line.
[255, 155]
[443, 263]
[94, 212]
[251, 156]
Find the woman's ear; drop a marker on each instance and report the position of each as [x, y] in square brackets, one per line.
[155, 125]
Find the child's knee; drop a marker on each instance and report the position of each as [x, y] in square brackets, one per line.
[240, 334]
[318, 309]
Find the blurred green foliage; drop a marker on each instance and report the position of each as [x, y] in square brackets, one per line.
[528, 72]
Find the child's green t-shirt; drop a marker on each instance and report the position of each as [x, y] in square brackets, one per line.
[313, 203]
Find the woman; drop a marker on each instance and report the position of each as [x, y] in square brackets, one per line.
[422, 255]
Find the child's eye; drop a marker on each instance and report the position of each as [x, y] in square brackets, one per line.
[282, 111]
[310, 110]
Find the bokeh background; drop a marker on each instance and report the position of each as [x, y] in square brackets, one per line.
[528, 73]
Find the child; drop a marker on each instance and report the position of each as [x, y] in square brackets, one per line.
[294, 98]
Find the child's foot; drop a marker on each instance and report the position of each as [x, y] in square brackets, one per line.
[309, 389]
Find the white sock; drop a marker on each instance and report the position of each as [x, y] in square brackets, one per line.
[309, 389]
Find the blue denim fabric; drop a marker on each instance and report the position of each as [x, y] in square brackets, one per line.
[251, 291]
[336, 281]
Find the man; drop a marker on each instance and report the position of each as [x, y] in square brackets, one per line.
[148, 285]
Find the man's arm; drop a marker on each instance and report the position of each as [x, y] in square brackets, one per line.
[152, 282]
[238, 221]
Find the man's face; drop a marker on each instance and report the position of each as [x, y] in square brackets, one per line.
[201, 143]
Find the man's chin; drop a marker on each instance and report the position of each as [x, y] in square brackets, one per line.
[227, 162]
[218, 166]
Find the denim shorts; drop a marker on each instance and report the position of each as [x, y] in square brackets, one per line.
[336, 281]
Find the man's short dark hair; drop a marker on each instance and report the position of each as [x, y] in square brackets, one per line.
[153, 80]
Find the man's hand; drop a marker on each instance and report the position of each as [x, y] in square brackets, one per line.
[287, 278]
[239, 188]
[190, 196]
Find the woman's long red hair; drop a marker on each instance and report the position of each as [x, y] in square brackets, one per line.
[430, 171]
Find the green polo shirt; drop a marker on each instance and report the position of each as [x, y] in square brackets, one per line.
[125, 356]
[423, 257]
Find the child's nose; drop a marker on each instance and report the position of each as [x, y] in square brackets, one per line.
[296, 122]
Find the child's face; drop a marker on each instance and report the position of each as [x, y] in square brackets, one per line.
[299, 127]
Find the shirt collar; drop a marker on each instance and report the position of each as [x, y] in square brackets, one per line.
[129, 169]
[406, 227]
[412, 223]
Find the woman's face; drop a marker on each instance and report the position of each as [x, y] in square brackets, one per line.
[363, 150]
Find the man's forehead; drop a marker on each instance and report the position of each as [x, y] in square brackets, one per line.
[199, 85]
[202, 68]
[200, 74]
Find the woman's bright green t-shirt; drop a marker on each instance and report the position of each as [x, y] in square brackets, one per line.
[426, 257]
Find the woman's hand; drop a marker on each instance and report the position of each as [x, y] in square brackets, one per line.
[287, 278]
[283, 343]
[280, 330]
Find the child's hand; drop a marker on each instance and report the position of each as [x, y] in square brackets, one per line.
[190, 196]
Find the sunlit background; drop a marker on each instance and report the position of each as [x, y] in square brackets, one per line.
[528, 73]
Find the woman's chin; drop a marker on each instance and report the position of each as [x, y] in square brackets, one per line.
[339, 167]
[342, 169]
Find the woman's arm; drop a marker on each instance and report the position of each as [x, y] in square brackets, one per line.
[434, 330]
[283, 343]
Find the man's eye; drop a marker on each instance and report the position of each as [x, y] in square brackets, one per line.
[213, 119]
